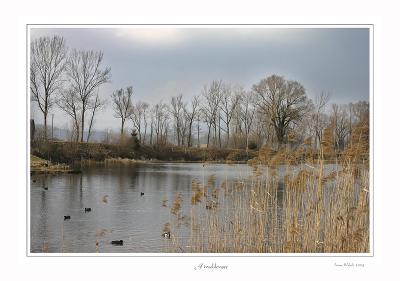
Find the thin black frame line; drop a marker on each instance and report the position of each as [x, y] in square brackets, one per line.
[371, 54]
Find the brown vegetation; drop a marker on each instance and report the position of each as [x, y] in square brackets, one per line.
[69, 152]
[306, 210]
[39, 165]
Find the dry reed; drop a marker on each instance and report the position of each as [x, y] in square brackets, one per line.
[307, 210]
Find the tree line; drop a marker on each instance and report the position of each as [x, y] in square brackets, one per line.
[275, 110]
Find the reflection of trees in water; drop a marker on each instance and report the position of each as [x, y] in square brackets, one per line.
[126, 212]
[179, 182]
[42, 225]
[125, 175]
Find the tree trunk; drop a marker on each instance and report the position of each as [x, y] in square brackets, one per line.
[208, 136]
[77, 131]
[219, 131]
[178, 132]
[122, 127]
[215, 133]
[151, 134]
[90, 124]
[280, 134]
[165, 135]
[82, 123]
[45, 125]
[247, 143]
[145, 132]
[198, 133]
[189, 141]
[227, 136]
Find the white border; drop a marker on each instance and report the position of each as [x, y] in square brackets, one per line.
[275, 255]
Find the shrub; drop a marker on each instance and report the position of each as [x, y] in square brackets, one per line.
[252, 145]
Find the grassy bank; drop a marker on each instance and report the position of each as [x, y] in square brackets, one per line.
[70, 152]
[42, 166]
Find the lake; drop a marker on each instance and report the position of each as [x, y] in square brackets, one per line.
[118, 209]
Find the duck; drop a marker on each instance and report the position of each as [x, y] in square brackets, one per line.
[166, 234]
[88, 210]
[117, 242]
[141, 193]
[45, 188]
[67, 218]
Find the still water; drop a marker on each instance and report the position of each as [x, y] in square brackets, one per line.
[119, 210]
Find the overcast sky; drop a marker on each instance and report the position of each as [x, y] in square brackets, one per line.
[162, 62]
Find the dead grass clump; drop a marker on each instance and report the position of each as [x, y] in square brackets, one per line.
[197, 192]
[265, 154]
[253, 162]
[331, 176]
[211, 180]
[176, 206]
[278, 159]
[166, 227]
[215, 193]
[211, 205]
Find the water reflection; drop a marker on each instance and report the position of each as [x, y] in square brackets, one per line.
[126, 215]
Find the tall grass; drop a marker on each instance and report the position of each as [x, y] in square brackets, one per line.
[305, 210]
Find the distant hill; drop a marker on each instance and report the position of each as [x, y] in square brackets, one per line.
[63, 134]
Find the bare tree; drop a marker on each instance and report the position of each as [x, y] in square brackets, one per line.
[152, 124]
[145, 107]
[340, 122]
[86, 75]
[237, 125]
[228, 105]
[47, 65]
[248, 110]
[284, 102]
[69, 103]
[160, 111]
[138, 118]
[262, 129]
[319, 120]
[123, 108]
[212, 98]
[178, 112]
[360, 111]
[97, 105]
[198, 118]
[190, 117]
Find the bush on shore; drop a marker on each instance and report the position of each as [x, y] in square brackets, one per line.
[69, 152]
